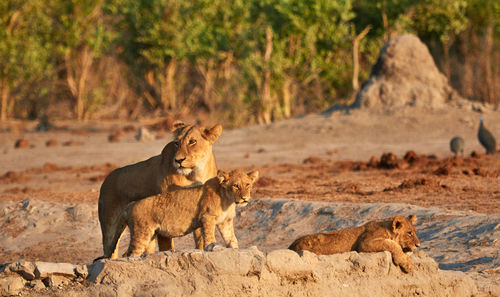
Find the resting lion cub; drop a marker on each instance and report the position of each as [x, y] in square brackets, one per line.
[396, 235]
[185, 161]
[179, 212]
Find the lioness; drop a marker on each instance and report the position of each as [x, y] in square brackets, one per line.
[185, 161]
[179, 212]
[396, 235]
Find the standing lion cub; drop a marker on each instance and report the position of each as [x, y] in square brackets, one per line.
[396, 235]
[179, 212]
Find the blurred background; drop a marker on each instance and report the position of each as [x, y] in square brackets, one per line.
[240, 62]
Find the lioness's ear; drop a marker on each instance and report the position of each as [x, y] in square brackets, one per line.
[413, 219]
[213, 133]
[254, 175]
[221, 176]
[176, 125]
[397, 223]
[177, 128]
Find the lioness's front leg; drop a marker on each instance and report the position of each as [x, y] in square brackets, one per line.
[226, 229]
[208, 230]
[398, 256]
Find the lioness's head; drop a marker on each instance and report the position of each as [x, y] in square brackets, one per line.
[406, 235]
[237, 184]
[193, 146]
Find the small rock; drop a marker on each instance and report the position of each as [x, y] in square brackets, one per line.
[410, 156]
[115, 137]
[82, 271]
[373, 162]
[72, 143]
[54, 281]
[144, 135]
[45, 269]
[25, 203]
[388, 161]
[51, 142]
[78, 213]
[22, 143]
[128, 128]
[36, 284]
[11, 285]
[25, 269]
[312, 160]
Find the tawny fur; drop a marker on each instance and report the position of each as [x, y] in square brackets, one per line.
[396, 235]
[192, 146]
[181, 211]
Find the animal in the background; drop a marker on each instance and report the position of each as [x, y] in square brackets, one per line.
[186, 160]
[396, 235]
[486, 139]
[457, 144]
[179, 212]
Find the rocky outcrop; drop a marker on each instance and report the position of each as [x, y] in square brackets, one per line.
[23, 275]
[250, 272]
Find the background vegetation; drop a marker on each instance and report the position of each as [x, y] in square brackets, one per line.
[242, 61]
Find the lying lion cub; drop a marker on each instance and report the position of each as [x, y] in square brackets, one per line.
[179, 212]
[396, 235]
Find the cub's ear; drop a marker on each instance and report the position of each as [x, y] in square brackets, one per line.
[254, 175]
[221, 176]
[213, 133]
[413, 219]
[397, 223]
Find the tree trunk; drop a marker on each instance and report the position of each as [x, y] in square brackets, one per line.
[287, 95]
[466, 77]
[266, 100]
[86, 62]
[446, 60]
[355, 58]
[385, 21]
[78, 91]
[4, 94]
[487, 45]
[208, 73]
[168, 92]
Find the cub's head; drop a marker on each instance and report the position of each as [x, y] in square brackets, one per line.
[193, 146]
[237, 185]
[405, 232]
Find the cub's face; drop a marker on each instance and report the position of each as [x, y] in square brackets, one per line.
[238, 184]
[406, 235]
[193, 146]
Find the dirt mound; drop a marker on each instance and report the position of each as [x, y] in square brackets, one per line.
[405, 75]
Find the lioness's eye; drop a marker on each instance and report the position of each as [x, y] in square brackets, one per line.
[247, 185]
[236, 187]
[192, 142]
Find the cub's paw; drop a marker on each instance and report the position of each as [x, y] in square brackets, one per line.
[407, 266]
[213, 247]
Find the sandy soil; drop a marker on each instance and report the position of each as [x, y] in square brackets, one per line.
[329, 158]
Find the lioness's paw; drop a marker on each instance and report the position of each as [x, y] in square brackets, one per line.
[213, 247]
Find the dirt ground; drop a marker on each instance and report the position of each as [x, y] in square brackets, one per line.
[361, 157]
